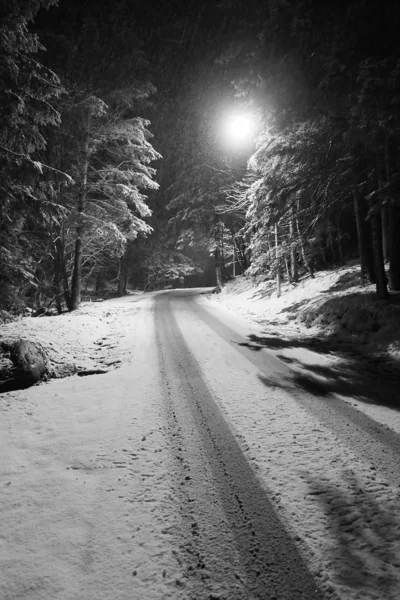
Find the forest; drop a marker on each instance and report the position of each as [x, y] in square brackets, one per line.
[114, 170]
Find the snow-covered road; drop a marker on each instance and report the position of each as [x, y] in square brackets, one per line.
[202, 468]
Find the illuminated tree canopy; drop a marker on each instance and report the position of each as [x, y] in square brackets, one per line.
[278, 124]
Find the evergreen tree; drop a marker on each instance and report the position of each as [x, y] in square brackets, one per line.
[328, 160]
[28, 92]
[102, 144]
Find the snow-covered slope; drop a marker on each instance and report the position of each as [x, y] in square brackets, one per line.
[333, 307]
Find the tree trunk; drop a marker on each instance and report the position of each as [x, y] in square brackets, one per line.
[306, 262]
[293, 261]
[380, 275]
[241, 256]
[58, 290]
[246, 260]
[360, 235]
[67, 293]
[278, 266]
[224, 271]
[58, 287]
[322, 252]
[340, 249]
[394, 269]
[330, 242]
[122, 276]
[383, 211]
[288, 275]
[60, 266]
[99, 282]
[221, 237]
[233, 259]
[218, 270]
[77, 270]
[385, 233]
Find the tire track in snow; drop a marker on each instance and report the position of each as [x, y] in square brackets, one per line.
[341, 509]
[243, 551]
[360, 432]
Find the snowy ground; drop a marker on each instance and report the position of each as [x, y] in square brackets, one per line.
[326, 328]
[85, 496]
[86, 477]
[332, 307]
[97, 336]
[333, 491]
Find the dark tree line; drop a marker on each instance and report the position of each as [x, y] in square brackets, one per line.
[322, 184]
[327, 164]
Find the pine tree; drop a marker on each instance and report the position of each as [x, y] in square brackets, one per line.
[102, 144]
[110, 164]
[28, 91]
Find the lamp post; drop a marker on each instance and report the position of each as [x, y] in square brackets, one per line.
[237, 129]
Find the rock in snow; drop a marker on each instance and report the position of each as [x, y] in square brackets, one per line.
[28, 361]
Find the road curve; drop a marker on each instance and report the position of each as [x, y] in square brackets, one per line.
[236, 547]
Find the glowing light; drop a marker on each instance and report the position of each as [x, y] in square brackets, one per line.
[238, 129]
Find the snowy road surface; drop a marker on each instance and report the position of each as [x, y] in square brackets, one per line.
[203, 468]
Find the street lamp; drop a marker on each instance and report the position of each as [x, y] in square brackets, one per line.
[238, 129]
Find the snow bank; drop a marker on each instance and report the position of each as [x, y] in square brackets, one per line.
[333, 307]
[91, 338]
[86, 503]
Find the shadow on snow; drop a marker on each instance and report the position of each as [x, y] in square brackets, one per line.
[365, 532]
[368, 378]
